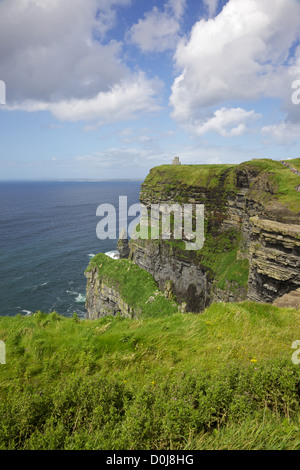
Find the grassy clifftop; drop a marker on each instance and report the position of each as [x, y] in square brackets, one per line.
[221, 380]
[135, 285]
[281, 180]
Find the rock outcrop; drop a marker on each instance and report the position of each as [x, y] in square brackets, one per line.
[118, 287]
[243, 201]
[274, 259]
[123, 245]
[290, 300]
[190, 282]
[252, 237]
[102, 300]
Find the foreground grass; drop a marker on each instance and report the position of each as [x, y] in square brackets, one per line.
[220, 380]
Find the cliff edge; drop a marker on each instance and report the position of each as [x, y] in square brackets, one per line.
[251, 229]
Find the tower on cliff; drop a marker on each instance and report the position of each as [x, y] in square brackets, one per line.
[176, 161]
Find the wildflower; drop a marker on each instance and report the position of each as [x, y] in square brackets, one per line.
[253, 360]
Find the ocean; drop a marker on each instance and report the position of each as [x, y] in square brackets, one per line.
[47, 238]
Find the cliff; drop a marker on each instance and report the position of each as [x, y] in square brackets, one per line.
[120, 287]
[251, 229]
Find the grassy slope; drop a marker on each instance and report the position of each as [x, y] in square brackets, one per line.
[220, 380]
[120, 383]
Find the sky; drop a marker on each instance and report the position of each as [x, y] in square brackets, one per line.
[108, 89]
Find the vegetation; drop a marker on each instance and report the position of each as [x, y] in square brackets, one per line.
[223, 379]
[193, 175]
[220, 255]
[273, 184]
[136, 286]
[223, 177]
[220, 380]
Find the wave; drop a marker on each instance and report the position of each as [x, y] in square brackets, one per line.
[80, 299]
[113, 254]
[28, 312]
[38, 286]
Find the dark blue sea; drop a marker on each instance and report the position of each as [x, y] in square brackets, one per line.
[47, 238]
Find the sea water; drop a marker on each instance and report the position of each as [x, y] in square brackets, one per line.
[47, 238]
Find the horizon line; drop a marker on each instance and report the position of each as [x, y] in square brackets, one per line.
[64, 180]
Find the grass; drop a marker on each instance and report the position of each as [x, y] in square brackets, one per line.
[220, 255]
[273, 187]
[281, 179]
[135, 285]
[223, 379]
[193, 175]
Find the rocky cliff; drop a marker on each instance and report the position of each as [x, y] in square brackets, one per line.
[120, 288]
[102, 299]
[252, 230]
[252, 233]
[274, 254]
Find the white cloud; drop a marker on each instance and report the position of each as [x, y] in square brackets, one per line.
[284, 133]
[243, 54]
[47, 49]
[158, 30]
[226, 122]
[55, 57]
[123, 101]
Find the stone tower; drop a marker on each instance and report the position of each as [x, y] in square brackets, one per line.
[176, 161]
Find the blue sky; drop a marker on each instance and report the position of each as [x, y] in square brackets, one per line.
[107, 89]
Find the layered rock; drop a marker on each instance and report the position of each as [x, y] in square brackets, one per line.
[190, 283]
[123, 245]
[269, 238]
[274, 259]
[247, 226]
[102, 300]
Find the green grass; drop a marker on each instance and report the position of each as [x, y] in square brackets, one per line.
[281, 179]
[223, 379]
[194, 175]
[220, 255]
[295, 163]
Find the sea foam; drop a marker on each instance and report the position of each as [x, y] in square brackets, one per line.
[113, 254]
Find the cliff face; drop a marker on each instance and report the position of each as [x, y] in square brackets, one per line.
[274, 259]
[102, 300]
[252, 237]
[242, 205]
[190, 282]
[120, 287]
